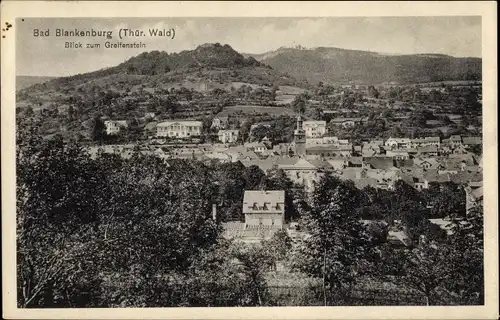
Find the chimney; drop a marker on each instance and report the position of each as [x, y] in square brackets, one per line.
[214, 212]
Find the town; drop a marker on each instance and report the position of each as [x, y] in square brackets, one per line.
[227, 183]
[376, 163]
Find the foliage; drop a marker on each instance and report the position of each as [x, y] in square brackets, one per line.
[253, 176]
[85, 226]
[97, 130]
[466, 257]
[425, 269]
[338, 249]
[278, 246]
[255, 262]
[448, 200]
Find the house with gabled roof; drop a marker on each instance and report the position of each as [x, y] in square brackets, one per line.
[426, 163]
[220, 122]
[264, 164]
[314, 129]
[378, 163]
[398, 154]
[306, 172]
[264, 207]
[115, 126]
[428, 151]
[228, 136]
[401, 143]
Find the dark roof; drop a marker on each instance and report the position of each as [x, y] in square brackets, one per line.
[403, 163]
[355, 160]
[380, 162]
[431, 148]
[472, 140]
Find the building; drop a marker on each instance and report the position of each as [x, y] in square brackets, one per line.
[428, 151]
[471, 141]
[314, 129]
[299, 138]
[264, 207]
[474, 197]
[398, 143]
[398, 154]
[179, 129]
[115, 126]
[330, 151]
[453, 141]
[327, 140]
[305, 172]
[346, 122]
[426, 142]
[219, 123]
[228, 136]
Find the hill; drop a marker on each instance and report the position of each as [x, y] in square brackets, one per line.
[208, 62]
[189, 84]
[335, 65]
[27, 81]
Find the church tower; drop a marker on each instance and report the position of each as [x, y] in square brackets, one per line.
[299, 138]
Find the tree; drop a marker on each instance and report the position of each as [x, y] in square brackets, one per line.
[259, 133]
[28, 112]
[216, 278]
[317, 114]
[231, 182]
[255, 262]
[253, 176]
[426, 269]
[56, 185]
[95, 234]
[279, 246]
[450, 200]
[299, 104]
[373, 92]
[338, 249]
[466, 257]
[378, 232]
[97, 129]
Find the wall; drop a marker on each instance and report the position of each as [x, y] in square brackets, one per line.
[266, 219]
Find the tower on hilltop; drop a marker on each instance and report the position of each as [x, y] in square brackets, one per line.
[299, 138]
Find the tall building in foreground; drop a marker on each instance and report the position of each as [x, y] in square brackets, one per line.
[300, 138]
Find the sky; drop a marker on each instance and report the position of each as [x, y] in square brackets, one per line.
[47, 56]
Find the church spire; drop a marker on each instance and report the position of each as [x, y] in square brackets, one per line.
[300, 138]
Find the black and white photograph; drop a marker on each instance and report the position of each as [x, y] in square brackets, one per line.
[180, 162]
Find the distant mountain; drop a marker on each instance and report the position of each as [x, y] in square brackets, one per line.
[27, 81]
[335, 65]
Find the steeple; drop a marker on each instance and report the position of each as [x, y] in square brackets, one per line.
[299, 138]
